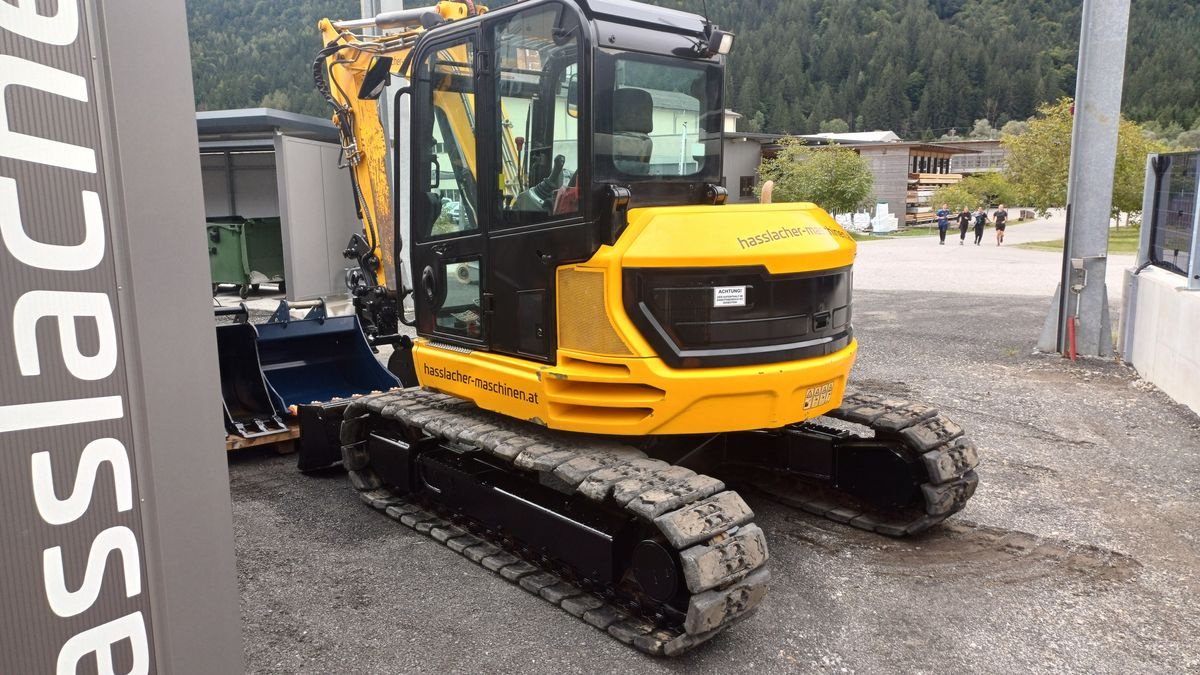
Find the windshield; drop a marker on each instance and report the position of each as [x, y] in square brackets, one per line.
[661, 119]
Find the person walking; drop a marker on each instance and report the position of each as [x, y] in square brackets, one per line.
[981, 219]
[964, 221]
[943, 216]
[1001, 220]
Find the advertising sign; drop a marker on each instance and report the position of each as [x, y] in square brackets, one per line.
[79, 556]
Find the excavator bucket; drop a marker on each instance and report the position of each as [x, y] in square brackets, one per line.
[318, 358]
[307, 368]
[249, 411]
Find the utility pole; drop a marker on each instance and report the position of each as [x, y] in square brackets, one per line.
[1080, 306]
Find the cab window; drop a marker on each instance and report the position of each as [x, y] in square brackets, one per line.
[446, 158]
[659, 120]
[537, 140]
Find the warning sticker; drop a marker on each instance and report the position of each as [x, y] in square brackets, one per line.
[729, 296]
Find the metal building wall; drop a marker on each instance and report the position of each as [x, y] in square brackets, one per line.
[317, 208]
[890, 167]
[741, 159]
[240, 184]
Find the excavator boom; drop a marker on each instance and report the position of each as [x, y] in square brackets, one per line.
[351, 73]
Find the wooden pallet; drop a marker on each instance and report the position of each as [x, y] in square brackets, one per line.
[911, 218]
[284, 441]
[934, 178]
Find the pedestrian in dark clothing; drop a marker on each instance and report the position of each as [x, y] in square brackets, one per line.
[964, 221]
[981, 219]
[943, 216]
[1001, 220]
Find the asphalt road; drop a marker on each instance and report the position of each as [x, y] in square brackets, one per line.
[920, 263]
[1080, 551]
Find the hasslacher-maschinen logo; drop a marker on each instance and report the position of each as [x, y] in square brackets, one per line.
[501, 388]
[782, 233]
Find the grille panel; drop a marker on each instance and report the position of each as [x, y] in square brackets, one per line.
[784, 317]
[583, 324]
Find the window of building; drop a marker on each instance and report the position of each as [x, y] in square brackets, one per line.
[746, 186]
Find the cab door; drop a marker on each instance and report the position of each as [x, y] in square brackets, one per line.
[538, 144]
[448, 220]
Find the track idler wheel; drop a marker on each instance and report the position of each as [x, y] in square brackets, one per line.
[655, 569]
[882, 476]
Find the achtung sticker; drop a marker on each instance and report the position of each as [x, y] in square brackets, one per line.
[729, 296]
[815, 397]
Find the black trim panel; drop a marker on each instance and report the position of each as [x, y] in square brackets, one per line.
[783, 318]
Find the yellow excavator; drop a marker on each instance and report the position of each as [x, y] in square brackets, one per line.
[602, 341]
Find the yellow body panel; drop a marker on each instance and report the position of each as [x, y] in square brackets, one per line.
[630, 390]
[784, 238]
[638, 397]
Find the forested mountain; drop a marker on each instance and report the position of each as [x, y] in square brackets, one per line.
[251, 53]
[918, 67]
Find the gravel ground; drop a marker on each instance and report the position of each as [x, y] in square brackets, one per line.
[1078, 553]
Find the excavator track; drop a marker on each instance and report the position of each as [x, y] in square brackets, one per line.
[940, 457]
[705, 529]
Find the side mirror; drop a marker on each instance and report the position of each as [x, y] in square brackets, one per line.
[376, 78]
[573, 96]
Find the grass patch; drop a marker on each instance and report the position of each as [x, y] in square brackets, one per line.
[1120, 240]
[898, 234]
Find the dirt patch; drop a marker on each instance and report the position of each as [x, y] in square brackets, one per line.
[960, 550]
[1001, 555]
[1030, 470]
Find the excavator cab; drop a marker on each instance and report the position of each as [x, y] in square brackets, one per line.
[547, 121]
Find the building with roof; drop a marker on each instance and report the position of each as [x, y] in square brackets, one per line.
[987, 155]
[906, 172]
[853, 137]
[742, 153]
[266, 163]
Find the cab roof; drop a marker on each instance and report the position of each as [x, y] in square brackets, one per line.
[630, 12]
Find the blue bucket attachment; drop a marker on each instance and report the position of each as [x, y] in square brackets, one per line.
[317, 358]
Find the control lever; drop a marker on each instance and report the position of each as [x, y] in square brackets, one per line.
[540, 197]
[545, 189]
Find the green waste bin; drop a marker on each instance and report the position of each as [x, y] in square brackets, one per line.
[264, 248]
[245, 252]
[226, 256]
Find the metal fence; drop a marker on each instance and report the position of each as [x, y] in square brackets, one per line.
[1171, 225]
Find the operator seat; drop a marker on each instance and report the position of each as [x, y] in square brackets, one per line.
[633, 120]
